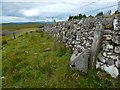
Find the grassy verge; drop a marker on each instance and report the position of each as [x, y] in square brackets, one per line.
[31, 61]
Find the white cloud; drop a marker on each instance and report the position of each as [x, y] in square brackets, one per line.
[5, 19]
[45, 9]
[30, 12]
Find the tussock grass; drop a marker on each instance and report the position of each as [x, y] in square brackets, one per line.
[26, 64]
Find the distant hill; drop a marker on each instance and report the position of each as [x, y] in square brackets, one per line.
[26, 23]
[22, 25]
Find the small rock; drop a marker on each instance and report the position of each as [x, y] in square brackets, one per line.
[98, 64]
[104, 54]
[113, 57]
[47, 49]
[115, 24]
[116, 39]
[109, 53]
[110, 62]
[101, 58]
[109, 46]
[107, 32]
[108, 37]
[3, 77]
[117, 49]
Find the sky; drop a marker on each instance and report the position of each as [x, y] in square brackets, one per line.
[44, 10]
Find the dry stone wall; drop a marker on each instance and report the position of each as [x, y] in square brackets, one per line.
[79, 36]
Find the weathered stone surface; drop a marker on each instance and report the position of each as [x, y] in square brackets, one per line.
[80, 62]
[110, 62]
[117, 49]
[112, 70]
[96, 45]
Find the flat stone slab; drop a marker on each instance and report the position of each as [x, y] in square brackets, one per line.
[80, 61]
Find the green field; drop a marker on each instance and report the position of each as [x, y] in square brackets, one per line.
[32, 61]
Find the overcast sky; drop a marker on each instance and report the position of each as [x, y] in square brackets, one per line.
[44, 10]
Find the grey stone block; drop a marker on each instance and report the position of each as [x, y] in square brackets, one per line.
[80, 61]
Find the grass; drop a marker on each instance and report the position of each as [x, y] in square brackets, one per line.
[26, 64]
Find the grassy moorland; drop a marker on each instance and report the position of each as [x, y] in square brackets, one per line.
[14, 27]
[32, 61]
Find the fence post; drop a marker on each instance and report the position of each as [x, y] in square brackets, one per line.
[14, 35]
[96, 45]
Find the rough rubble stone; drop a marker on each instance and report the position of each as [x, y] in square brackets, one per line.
[115, 24]
[107, 31]
[110, 62]
[112, 70]
[101, 58]
[104, 54]
[107, 47]
[108, 37]
[117, 49]
[113, 57]
[117, 63]
[116, 39]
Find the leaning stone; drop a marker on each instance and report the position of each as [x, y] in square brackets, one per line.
[80, 62]
[117, 49]
[96, 45]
